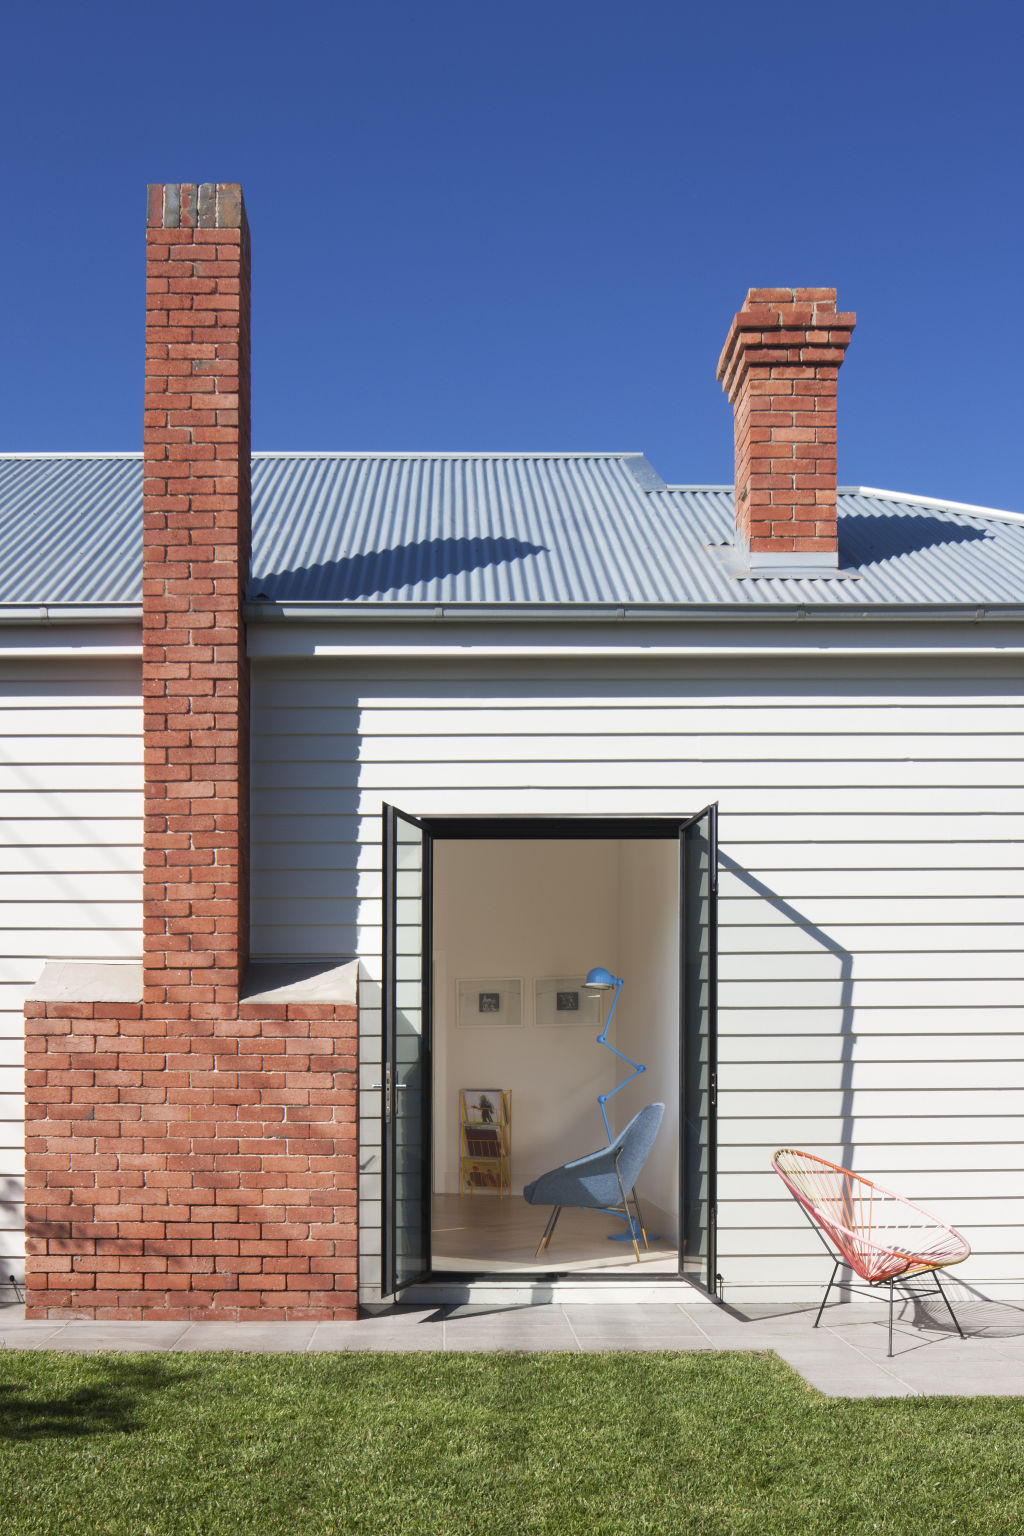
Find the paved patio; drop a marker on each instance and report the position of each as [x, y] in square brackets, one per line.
[845, 1357]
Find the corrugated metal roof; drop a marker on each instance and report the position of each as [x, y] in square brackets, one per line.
[71, 529]
[488, 529]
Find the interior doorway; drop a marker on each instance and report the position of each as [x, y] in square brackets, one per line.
[491, 928]
[517, 926]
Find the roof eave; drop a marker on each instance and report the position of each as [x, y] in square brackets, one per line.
[70, 613]
[633, 613]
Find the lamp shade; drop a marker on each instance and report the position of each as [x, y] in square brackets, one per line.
[600, 977]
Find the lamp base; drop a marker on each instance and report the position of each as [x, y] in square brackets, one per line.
[632, 1234]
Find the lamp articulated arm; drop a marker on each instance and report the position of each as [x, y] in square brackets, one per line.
[602, 979]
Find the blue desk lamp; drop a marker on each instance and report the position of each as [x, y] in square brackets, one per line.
[602, 980]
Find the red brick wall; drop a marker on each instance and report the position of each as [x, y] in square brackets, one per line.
[188, 1175]
[779, 368]
[192, 1156]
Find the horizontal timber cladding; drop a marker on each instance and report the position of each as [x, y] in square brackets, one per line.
[70, 857]
[872, 906]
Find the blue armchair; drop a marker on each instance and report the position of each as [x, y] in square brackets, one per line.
[600, 1180]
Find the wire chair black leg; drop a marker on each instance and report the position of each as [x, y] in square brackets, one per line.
[890, 1319]
[949, 1309]
[828, 1287]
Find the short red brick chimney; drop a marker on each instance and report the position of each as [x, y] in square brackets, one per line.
[779, 368]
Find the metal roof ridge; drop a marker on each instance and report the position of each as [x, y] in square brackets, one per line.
[929, 501]
[457, 453]
[73, 453]
[351, 453]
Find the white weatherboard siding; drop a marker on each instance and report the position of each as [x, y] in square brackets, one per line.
[872, 910]
[70, 857]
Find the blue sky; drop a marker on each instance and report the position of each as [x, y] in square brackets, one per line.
[492, 226]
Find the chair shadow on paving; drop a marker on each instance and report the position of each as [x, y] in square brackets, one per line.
[108, 1404]
[979, 1317]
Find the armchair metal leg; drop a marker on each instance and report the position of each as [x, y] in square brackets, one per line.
[625, 1207]
[935, 1277]
[828, 1287]
[548, 1230]
[891, 1284]
[639, 1215]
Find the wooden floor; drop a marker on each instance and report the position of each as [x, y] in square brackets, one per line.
[482, 1233]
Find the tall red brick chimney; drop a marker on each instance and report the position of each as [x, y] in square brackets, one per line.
[196, 535]
[779, 368]
[190, 1149]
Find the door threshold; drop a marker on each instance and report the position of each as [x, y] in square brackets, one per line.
[539, 1291]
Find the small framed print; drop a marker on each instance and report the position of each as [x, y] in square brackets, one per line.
[489, 1003]
[564, 1000]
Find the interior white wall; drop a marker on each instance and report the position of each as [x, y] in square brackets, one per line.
[526, 909]
[648, 1009]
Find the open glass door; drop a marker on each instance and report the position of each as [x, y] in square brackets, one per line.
[698, 969]
[407, 1073]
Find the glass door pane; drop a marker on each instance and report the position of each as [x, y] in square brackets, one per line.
[698, 969]
[406, 1139]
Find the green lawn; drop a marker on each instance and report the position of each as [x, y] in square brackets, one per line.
[488, 1445]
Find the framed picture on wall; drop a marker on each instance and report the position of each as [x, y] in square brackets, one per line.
[563, 1001]
[488, 1002]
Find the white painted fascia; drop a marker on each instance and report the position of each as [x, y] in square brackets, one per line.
[27, 631]
[640, 642]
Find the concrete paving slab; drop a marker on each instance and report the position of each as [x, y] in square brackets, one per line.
[398, 1342]
[626, 1336]
[29, 1335]
[845, 1359]
[959, 1376]
[87, 1338]
[554, 1333]
[860, 1387]
[247, 1338]
[596, 1344]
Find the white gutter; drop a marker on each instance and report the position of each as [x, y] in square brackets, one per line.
[640, 613]
[539, 613]
[70, 613]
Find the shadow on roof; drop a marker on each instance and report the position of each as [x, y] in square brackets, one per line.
[865, 539]
[387, 570]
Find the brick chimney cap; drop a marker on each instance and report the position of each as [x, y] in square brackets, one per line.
[195, 205]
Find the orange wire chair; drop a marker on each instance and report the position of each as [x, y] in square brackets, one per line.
[882, 1237]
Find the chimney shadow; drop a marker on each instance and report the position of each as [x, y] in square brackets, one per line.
[846, 1034]
[847, 1038]
[386, 570]
[867, 538]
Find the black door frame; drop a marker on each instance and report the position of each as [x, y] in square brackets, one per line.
[530, 828]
